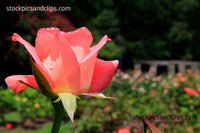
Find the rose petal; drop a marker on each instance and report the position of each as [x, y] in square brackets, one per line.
[103, 73]
[33, 53]
[59, 59]
[96, 48]
[87, 69]
[27, 45]
[87, 65]
[80, 41]
[20, 82]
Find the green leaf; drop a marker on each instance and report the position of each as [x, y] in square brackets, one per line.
[97, 95]
[69, 103]
[56, 100]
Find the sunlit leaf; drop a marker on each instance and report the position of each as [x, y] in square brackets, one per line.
[69, 103]
[97, 95]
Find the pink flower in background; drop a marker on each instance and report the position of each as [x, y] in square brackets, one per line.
[175, 79]
[179, 75]
[198, 90]
[153, 93]
[183, 79]
[124, 130]
[190, 91]
[8, 125]
[66, 62]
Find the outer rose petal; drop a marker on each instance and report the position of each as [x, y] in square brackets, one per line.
[28, 47]
[59, 59]
[20, 82]
[103, 73]
[96, 48]
[88, 63]
[87, 69]
[80, 41]
[33, 53]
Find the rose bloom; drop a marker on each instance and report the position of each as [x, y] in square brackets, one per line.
[190, 91]
[124, 130]
[65, 62]
[183, 79]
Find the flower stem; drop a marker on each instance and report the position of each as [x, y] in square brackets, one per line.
[144, 126]
[59, 113]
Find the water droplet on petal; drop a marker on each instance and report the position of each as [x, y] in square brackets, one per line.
[50, 66]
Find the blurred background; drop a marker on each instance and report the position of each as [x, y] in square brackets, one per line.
[140, 30]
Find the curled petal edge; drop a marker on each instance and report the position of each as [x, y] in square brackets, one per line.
[20, 82]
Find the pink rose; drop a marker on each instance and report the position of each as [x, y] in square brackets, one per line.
[190, 91]
[64, 63]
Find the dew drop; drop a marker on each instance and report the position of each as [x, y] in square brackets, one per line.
[50, 65]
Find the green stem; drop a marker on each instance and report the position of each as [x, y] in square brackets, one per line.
[59, 113]
[144, 126]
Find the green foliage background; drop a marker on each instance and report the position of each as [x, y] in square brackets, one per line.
[161, 30]
[142, 94]
[140, 29]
